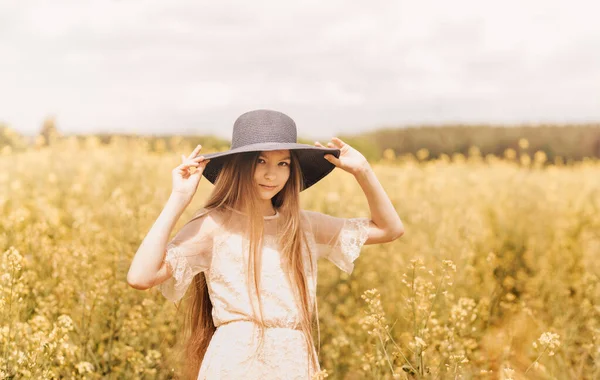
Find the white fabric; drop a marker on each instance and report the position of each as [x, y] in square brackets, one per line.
[213, 242]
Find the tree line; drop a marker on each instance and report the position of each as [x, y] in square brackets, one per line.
[571, 142]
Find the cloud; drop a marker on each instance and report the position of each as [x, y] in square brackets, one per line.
[155, 66]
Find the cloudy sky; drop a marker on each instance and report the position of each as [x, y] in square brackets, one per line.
[156, 66]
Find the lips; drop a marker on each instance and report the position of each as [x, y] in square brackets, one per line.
[268, 187]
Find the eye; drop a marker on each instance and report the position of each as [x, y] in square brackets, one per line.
[259, 160]
[285, 163]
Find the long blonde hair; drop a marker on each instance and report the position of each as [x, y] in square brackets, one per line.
[234, 188]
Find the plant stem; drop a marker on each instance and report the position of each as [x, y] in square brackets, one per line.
[536, 359]
[434, 299]
[386, 354]
[12, 281]
[401, 353]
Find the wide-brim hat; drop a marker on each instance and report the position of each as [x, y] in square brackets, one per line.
[266, 130]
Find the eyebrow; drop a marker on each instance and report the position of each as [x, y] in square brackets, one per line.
[285, 158]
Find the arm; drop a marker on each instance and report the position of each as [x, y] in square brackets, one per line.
[148, 264]
[385, 223]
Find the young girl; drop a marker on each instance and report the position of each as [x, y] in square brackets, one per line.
[250, 254]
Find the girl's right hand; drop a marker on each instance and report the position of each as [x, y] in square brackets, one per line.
[185, 182]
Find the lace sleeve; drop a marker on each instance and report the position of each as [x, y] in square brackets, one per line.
[188, 254]
[339, 239]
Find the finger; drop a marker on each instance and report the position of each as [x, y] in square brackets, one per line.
[338, 142]
[195, 152]
[185, 166]
[330, 145]
[319, 144]
[188, 163]
[198, 171]
[331, 158]
[200, 158]
[182, 158]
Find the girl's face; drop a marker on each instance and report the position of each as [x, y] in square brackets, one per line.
[272, 172]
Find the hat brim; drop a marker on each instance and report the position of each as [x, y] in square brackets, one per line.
[313, 164]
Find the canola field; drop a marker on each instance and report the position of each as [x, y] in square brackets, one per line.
[496, 277]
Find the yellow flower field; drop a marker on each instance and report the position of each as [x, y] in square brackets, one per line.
[496, 277]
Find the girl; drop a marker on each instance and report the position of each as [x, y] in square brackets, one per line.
[251, 253]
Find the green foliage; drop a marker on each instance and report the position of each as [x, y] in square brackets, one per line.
[571, 142]
[50, 131]
[11, 139]
[568, 141]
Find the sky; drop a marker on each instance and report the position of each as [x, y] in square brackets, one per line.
[335, 67]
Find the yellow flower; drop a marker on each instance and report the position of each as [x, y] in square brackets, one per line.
[523, 143]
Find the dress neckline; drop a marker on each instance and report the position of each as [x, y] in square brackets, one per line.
[268, 217]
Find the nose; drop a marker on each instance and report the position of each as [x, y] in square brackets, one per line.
[270, 173]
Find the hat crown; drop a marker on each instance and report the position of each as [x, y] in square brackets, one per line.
[263, 126]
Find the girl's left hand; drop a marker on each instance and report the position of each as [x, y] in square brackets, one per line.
[350, 160]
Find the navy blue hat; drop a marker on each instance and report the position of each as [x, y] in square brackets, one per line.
[265, 130]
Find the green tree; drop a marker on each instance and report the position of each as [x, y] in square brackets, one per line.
[49, 131]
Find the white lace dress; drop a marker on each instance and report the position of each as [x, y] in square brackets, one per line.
[211, 242]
